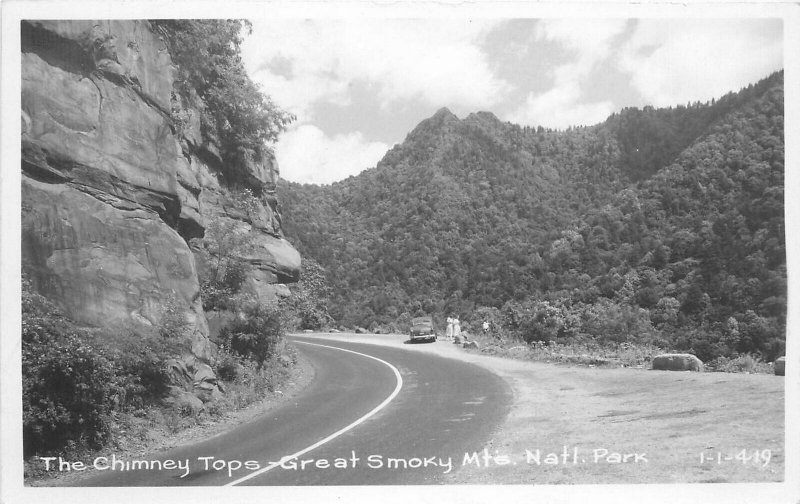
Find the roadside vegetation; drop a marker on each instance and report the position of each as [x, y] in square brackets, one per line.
[86, 390]
[626, 355]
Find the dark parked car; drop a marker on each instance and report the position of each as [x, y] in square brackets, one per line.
[422, 329]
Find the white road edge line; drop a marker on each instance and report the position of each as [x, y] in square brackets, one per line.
[340, 431]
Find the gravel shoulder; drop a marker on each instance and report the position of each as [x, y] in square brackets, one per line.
[576, 425]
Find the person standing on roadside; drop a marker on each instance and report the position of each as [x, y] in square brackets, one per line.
[486, 328]
[456, 328]
[449, 328]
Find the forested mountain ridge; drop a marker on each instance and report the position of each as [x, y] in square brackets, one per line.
[658, 225]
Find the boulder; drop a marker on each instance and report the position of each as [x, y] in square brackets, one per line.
[184, 401]
[471, 344]
[179, 374]
[276, 259]
[204, 373]
[780, 366]
[360, 330]
[206, 391]
[677, 362]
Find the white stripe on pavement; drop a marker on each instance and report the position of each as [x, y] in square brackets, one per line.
[340, 431]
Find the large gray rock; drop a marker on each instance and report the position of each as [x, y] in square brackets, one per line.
[273, 259]
[678, 362]
[107, 262]
[780, 366]
[184, 401]
[207, 391]
[204, 373]
[129, 50]
[179, 374]
[97, 133]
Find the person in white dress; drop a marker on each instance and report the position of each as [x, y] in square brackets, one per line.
[456, 328]
[449, 328]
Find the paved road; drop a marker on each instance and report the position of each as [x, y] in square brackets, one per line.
[428, 419]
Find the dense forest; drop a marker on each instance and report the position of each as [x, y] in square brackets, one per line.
[658, 226]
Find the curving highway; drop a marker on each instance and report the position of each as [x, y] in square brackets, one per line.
[374, 415]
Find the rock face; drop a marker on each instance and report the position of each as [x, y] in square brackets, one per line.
[780, 366]
[677, 362]
[113, 191]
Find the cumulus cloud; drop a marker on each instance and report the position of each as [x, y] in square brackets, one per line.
[677, 61]
[438, 61]
[589, 41]
[561, 107]
[590, 38]
[306, 155]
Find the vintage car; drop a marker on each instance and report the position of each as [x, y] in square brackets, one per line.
[422, 329]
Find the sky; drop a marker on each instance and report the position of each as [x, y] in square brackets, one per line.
[359, 86]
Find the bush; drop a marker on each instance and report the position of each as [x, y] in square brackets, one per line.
[173, 318]
[228, 368]
[141, 372]
[740, 364]
[67, 385]
[307, 305]
[74, 379]
[255, 333]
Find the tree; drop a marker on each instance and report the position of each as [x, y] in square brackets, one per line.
[235, 114]
[308, 301]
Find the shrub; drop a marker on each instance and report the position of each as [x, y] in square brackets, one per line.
[141, 372]
[740, 364]
[255, 333]
[173, 318]
[67, 385]
[307, 305]
[228, 368]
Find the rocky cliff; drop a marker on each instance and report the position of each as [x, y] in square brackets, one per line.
[117, 193]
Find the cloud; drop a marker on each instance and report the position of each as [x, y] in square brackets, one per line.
[438, 61]
[560, 107]
[677, 61]
[590, 38]
[590, 43]
[306, 155]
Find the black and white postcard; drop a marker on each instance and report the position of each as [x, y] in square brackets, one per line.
[430, 251]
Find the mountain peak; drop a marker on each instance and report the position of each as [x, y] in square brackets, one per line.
[444, 113]
[441, 119]
[482, 116]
